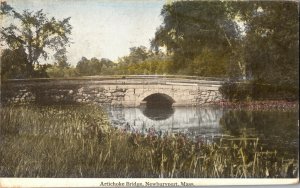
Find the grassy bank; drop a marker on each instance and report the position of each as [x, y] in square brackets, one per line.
[76, 141]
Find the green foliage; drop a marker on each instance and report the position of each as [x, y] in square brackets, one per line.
[61, 58]
[56, 71]
[204, 39]
[210, 64]
[192, 30]
[86, 67]
[131, 64]
[154, 64]
[36, 34]
[40, 71]
[61, 67]
[258, 91]
[272, 42]
[136, 55]
[139, 61]
[235, 91]
[14, 64]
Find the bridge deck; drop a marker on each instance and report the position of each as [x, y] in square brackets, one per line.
[128, 80]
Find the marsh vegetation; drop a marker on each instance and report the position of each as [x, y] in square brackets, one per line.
[77, 141]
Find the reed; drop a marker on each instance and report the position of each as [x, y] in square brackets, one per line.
[77, 141]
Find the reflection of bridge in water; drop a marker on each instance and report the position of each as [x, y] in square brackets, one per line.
[192, 120]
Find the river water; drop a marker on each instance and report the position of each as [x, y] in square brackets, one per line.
[276, 130]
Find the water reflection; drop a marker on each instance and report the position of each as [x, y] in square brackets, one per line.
[276, 129]
[177, 119]
[157, 113]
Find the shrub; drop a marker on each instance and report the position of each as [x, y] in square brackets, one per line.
[233, 91]
[236, 91]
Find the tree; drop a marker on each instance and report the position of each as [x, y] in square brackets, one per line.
[61, 67]
[82, 66]
[94, 66]
[35, 33]
[147, 62]
[13, 64]
[107, 62]
[190, 27]
[210, 63]
[61, 59]
[108, 67]
[136, 55]
[271, 49]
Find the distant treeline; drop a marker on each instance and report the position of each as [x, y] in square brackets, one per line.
[140, 61]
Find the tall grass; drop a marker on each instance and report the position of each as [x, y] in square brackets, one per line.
[76, 141]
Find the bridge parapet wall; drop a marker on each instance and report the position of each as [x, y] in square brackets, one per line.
[105, 93]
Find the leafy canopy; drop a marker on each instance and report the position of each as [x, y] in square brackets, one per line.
[35, 33]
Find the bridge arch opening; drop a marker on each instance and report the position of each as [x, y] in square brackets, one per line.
[157, 106]
[158, 100]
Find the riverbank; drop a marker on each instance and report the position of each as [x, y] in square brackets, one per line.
[74, 141]
[261, 105]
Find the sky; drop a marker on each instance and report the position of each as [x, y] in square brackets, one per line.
[102, 28]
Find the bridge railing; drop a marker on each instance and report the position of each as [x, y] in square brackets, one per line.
[174, 76]
[127, 77]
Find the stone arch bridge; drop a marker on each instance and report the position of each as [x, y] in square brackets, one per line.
[129, 91]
